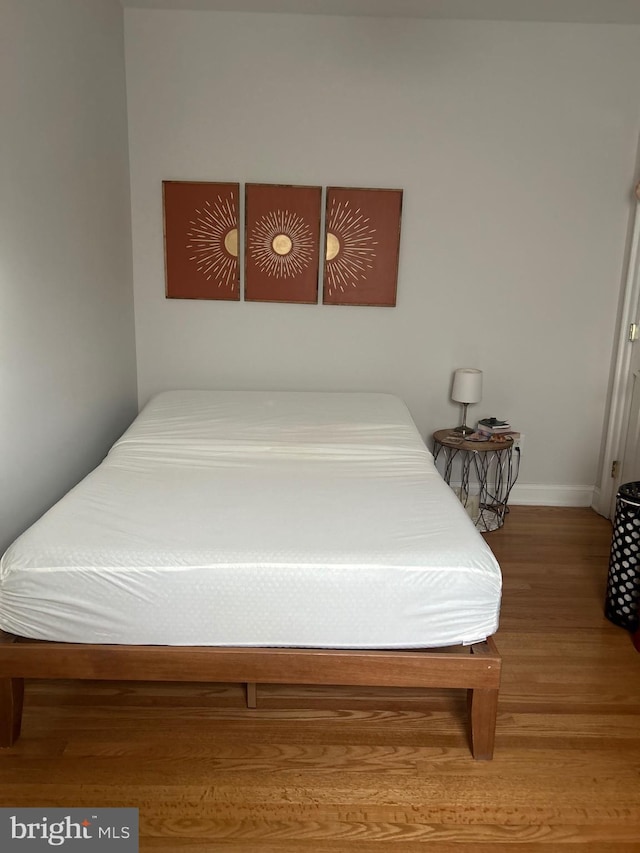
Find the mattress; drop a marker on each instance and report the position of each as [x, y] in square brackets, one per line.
[257, 519]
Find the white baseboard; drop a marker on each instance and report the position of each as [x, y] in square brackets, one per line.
[537, 494]
[599, 504]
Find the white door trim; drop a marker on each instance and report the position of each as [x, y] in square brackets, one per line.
[621, 387]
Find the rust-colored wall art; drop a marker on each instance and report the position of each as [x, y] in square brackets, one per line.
[362, 246]
[282, 238]
[201, 240]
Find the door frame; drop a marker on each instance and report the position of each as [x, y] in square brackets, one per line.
[621, 385]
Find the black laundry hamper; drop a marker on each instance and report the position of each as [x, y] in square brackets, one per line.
[623, 585]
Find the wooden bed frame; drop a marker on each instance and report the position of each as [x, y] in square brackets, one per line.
[475, 668]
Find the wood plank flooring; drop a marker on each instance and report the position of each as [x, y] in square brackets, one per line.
[342, 769]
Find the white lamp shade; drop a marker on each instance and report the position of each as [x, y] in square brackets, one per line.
[467, 385]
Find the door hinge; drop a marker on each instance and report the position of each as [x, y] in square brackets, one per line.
[615, 468]
[633, 332]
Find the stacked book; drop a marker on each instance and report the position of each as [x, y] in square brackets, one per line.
[496, 428]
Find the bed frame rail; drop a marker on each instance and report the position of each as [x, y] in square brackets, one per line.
[476, 669]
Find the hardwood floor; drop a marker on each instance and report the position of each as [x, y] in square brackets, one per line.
[340, 769]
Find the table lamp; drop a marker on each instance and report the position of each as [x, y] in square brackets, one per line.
[467, 388]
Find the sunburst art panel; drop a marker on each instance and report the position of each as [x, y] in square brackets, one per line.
[362, 246]
[201, 240]
[282, 236]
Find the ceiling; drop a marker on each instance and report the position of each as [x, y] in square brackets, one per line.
[576, 11]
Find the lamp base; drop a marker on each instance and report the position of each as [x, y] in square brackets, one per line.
[463, 429]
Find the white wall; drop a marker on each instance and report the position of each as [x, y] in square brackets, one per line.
[515, 146]
[67, 352]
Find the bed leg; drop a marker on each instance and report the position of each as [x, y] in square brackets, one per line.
[11, 698]
[252, 694]
[483, 710]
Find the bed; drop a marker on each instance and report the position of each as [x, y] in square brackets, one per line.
[274, 537]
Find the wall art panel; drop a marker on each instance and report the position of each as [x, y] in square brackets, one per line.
[282, 237]
[201, 240]
[362, 246]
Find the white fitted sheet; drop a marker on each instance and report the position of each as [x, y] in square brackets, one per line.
[257, 519]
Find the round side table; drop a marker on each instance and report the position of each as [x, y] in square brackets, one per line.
[485, 471]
